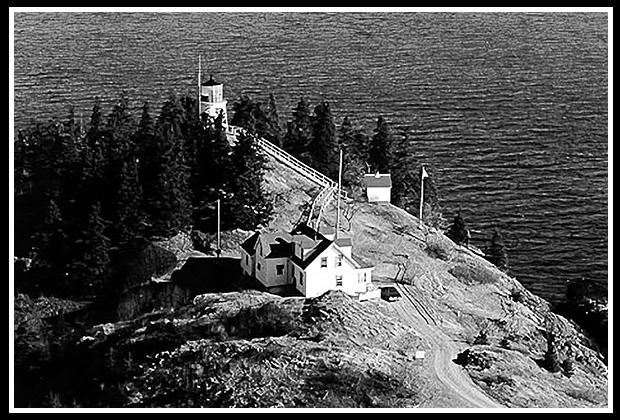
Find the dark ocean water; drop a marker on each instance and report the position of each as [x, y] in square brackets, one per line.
[508, 110]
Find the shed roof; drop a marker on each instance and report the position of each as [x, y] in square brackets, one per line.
[343, 242]
[378, 180]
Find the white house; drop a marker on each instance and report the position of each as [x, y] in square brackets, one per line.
[378, 187]
[306, 260]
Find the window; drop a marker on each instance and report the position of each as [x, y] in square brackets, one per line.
[323, 262]
[339, 260]
[247, 260]
[361, 277]
[338, 281]
[279, 269]
[301, 279]
[258, 266]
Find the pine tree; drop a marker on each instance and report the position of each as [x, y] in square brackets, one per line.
[354, 159]
[126, 227]
[52, 254]
[91, 262]
[165, 175]
[380, 150]
[145, 126]
[248, 203]
[211, 174]
[50, 239]
[274, 119]
[96, 118]
[496, 252]
[552, 359]
[458, 231]
[299, 132]
[405, 177]
[323, 146]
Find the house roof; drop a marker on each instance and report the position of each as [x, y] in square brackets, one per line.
[249, 245]
[279, 249]
[306, 236]
[378, 180]
[313, 255]
[280, 245]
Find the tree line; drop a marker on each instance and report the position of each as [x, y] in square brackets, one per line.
[86, 197]
[313, 136]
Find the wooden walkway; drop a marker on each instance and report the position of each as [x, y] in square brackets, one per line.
[292, 162]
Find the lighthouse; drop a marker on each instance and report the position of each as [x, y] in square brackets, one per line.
[211, 98]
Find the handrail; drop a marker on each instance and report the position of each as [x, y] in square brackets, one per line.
[318, 198]
[291, 161]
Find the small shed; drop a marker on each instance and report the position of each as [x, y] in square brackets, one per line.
[378, 187]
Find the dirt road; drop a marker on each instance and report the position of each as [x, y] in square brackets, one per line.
[461, 390]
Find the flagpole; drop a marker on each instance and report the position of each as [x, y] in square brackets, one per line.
[422, 173]
[421, 197]
[338, 204]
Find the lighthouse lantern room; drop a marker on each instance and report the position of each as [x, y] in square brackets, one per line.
[211, 98]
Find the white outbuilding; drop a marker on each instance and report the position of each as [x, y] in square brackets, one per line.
[378, 187]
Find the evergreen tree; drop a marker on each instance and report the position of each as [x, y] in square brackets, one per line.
[50, 239]
[272, 116]
[120, 121]
[211, 174]
[345, 136]
[552, 359]
[380, 150]
[323, 146]
[244, 114]
[299, 133]
[91, 262]
[146, 126]
[458, 231]
[248, 203]
[496, 252]
[405, 177]
[51, 255]
[361, 145]
[354, 158]
[251, 116]
[165, 175]
[96, 118]
[126, 227]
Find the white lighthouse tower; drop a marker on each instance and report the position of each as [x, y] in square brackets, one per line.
[211, 97]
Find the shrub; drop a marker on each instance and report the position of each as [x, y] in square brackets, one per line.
[472, 274]
[482, 337]
[437, 248]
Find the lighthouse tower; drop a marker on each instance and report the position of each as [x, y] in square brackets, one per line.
[211, 98]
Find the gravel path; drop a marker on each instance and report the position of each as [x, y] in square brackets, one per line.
[439, 358]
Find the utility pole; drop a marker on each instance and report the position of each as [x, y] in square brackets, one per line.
[218, 251]
[339, 189]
